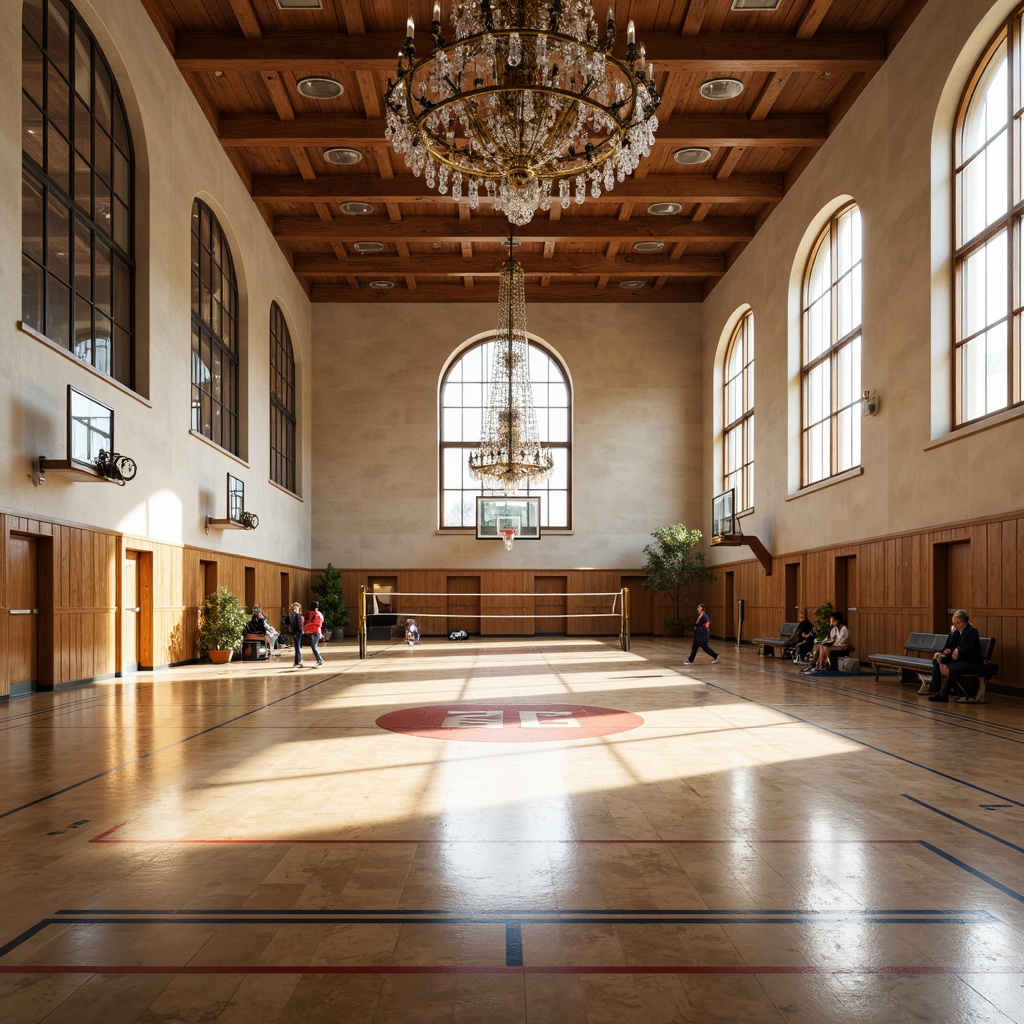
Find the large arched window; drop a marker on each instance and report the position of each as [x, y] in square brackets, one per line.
[462, 398]
[282, 401]
[831, 350]
[989, 204]
[78, 177]
[214, 332]
[738, 462]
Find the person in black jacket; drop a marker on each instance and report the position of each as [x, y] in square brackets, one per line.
[961, 656]
[701, 634]
[803, 640]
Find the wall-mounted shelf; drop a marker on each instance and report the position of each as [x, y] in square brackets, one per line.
[72, 470]
[223, 524]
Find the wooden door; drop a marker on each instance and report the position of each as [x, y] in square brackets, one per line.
[792, 611]
[952, 580]
[641, 606]
[464, 604]
[23, 639]
[846, 593]
[549, 605]
[730, 615]
[130, 609]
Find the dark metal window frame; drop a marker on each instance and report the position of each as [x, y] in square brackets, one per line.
[738, 478]
[282, 401]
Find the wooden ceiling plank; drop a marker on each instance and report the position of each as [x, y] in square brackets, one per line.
[695, 12]
[370, 94]
[812, 18]
[353, 12]
[728, 165]
[246, 18]
[769, 94]
[279, 96]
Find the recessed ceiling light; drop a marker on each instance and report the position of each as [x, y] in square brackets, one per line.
[754, 5]
[664, 209]
[721, 88]
[368, 246]
[382, 286]
[632, 285]
[342, 155]
[356, 209]
[300, 5]
[319, 88]
[691, 155]
[648, 246]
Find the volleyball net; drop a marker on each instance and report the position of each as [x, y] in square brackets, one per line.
[383, 615]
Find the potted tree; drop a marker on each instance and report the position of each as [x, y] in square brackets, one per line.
[222, 622]
[674, 567]
[327, 591]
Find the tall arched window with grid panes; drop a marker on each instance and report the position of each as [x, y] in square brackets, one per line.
[282, 401]
[738, 461]
[989, 199]
[214, 332]
[831, 350]
[78, 265]
[462, 396]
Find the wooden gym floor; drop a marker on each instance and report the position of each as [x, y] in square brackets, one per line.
[510, 831]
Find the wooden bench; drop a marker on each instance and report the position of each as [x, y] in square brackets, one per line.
[918, 656]
[768, 645]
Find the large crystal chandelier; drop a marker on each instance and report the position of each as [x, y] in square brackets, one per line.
[510, 453]
[527, 95]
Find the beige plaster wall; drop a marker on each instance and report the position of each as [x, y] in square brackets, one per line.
[892, 154]
[181, 477]
[637, 417]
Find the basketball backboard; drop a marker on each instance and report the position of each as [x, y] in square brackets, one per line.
[495, 514]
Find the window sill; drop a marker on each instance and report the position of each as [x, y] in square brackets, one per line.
[470, 531]
[989, 423]
[839, 478]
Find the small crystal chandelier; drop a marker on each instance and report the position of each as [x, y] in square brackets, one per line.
[510, 453]
[528, 95]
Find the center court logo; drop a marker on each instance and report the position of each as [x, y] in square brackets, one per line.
[509, 723]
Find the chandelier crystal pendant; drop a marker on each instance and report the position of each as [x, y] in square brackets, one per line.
[510, 455]
[526, 97]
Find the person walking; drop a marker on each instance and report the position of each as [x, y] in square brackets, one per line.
[701, 635]
[311, 628]
[295, 623]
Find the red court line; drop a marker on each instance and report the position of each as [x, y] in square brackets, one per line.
[739, 969]
[102, 838]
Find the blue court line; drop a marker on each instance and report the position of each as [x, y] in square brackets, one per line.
[170, 746]
[871, 746]
[966, 824]
[513, 944]
[1004, 889]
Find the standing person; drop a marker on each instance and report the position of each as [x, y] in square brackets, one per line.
[311, 628]
[412, 632]
[701, 635]
[295, 623]
[837, 641]
[961, 656]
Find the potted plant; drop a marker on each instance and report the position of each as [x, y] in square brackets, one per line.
[327, 592]
[222, 622]
[822, 626]
[673, 568]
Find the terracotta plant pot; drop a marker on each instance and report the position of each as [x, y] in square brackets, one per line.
[220, 657]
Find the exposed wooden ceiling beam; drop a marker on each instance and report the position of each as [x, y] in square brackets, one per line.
[492, 229]
[791, 130]
[682, 188]
[713, 53]
[487, 291]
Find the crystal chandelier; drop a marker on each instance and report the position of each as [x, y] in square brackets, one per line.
[510, 453]
[527, 95]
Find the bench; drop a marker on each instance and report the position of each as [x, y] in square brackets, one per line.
[918, 656]
[254, 647]
[768, 645]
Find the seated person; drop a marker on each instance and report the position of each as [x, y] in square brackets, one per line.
[258, 626]
[961, 656]
[837, 641]
[803, 640]
[412, 632]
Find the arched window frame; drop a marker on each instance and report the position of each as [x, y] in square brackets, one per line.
[214, 331]
[461, 398]
[988, 377]
[830, 346]
[738, 414]
[78, 194]
[282, 401]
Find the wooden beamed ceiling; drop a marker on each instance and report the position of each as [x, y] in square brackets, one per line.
[802, 66]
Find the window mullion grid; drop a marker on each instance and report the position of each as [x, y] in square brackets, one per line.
[833, 351]
[1014, 268]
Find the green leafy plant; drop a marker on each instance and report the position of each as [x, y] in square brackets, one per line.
[822, 614]
[327, 592]
[674, 566]
[222, 621]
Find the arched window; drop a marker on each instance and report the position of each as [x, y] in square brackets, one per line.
[831, 350]
[738, 462]
[462, 398]
[282, 401]
[78, 265]
[987, 261]
[214, 332]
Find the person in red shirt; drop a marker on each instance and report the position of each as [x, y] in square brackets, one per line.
[311, 630]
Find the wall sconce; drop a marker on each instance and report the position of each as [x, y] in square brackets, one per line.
[869, 402]
[38, 475]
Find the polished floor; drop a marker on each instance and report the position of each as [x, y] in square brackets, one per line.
[510, 831]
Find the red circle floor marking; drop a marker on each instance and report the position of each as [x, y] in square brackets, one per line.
[509, 723]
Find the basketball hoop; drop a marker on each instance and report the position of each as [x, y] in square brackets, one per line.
[508, 535]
